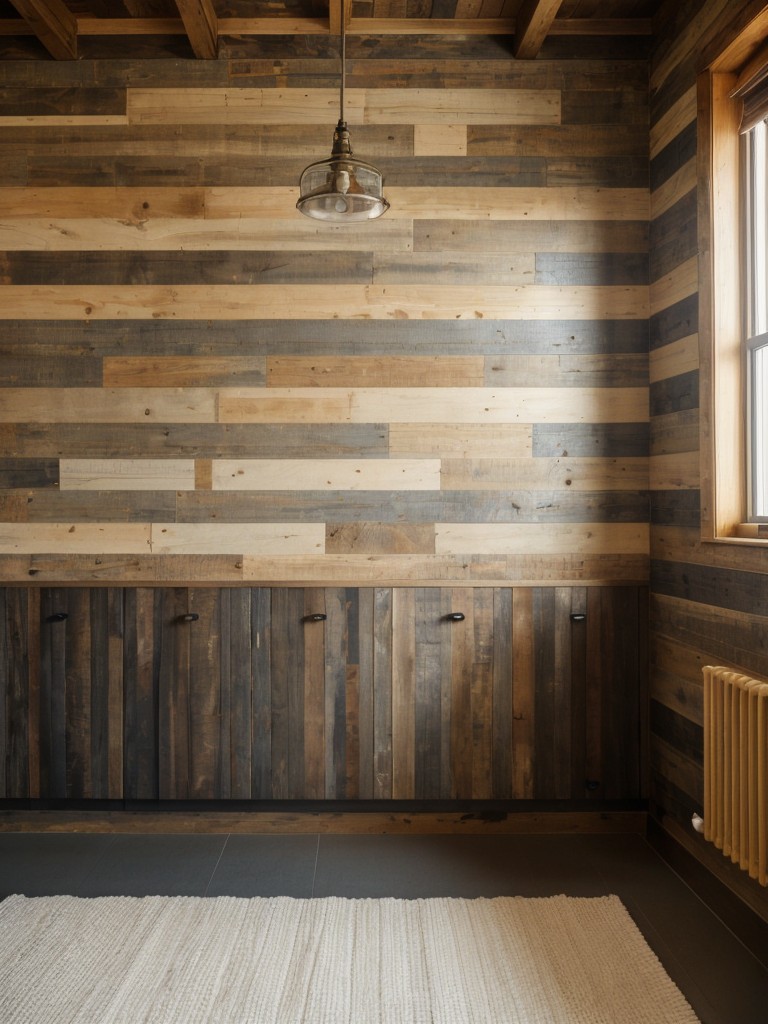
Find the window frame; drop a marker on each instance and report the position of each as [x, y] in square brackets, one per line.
[727, 471]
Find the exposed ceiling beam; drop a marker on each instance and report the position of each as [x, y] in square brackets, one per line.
[129, 27]
[199, 19]
[534, 20]
[53, 24]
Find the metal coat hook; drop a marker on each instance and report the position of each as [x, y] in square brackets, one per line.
[315, 617]
[57, 617]
[578, 617]
[454, 617]
[189, 617]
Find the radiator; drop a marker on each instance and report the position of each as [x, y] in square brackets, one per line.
[736, 768]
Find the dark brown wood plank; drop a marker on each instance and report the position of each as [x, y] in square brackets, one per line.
[321, 672]
[141, 668]
[261, 701]
[184, 267]
[382, 693]
[491, 236]
[242, 688]
[428, 626]
[15, 664]
[175, 729]
[287, 682]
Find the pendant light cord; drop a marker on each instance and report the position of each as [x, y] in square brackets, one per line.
[343, 64]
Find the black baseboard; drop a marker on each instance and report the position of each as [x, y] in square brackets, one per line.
[746, 925]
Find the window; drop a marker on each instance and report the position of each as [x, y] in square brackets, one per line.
[755, 206]
[733, 289]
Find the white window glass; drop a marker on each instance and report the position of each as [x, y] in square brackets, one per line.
[756, 208]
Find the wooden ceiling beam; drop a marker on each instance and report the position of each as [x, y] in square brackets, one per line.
[534, 20]
[357, 27]
[200, 24]
[53, 24]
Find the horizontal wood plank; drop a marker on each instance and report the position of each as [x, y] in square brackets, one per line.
[426, 405]
[303, 302]
[326, 474]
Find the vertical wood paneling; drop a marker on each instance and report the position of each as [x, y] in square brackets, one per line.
[385, 697]
[141, 670]
[523, 694]
[174, 696]
[16, 732]
[261, 699]
[403, 692]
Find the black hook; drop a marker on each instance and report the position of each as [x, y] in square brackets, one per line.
[578, 617]
[189, 617]
[57, 617]
[315, 617]
[454, 617]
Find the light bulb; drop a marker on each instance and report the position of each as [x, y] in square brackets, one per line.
[341, 205]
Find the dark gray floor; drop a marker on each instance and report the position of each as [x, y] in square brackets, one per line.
[721, 980]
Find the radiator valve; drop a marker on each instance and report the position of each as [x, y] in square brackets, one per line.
[698, 822]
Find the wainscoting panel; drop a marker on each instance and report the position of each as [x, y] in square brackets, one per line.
[323, 693]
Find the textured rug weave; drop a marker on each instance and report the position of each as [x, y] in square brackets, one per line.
[556, 960]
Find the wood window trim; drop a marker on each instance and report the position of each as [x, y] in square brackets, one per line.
[721, 270]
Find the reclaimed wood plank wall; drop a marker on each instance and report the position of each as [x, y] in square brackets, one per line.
[238, 693]
[709, 603]
[200, 385]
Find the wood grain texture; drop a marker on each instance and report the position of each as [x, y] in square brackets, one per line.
[300, 302]
[200, 384]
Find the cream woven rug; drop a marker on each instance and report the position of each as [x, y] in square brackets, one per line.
[556, 960]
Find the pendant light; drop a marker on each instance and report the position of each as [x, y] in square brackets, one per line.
[341, 188]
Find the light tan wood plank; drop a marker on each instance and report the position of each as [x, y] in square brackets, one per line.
[677, 471]
[273, 539]
[673, 189]
[461, 441]
[242, 106]
[361, 106]
[566, 370]
[679, 357]
[326, 474]
[127, 474]
[137, 206]
[528, 569]
[678, 284]
[107, 405]
[461, 106]
[428, 405]
[439, 140]
[176, 371]
[325, 302]
[557, 202]
[59, 120]
[380, 538]
[75, 538]
[375, 371]
[580, 474]
[522, 538]
[671, 123]
[282, 228]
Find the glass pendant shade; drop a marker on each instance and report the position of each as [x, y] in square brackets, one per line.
[341, 188]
